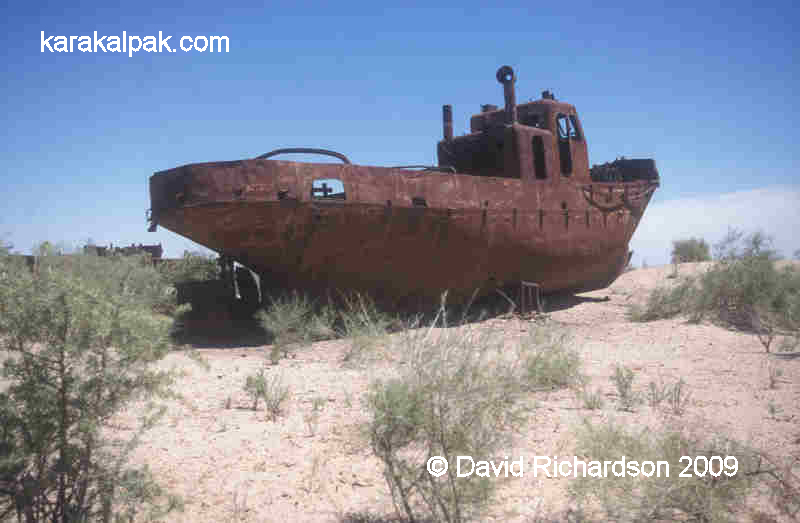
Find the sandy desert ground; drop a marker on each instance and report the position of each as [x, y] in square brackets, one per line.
[230, 463]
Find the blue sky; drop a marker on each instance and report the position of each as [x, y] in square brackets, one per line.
[710, 92]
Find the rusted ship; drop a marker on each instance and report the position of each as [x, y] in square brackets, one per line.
[512, 203]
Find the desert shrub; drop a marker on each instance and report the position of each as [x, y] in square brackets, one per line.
[676, 395]
[47, 248]
[293, 320]
[126, 275]
[270, 389]
[708, 495]
[459, 394]
[360, 320]
[664, 302]
[690, 250]
[775, 374]
[550, 363]
[622, 379]
[312, 418]
[591, 400]
[193, 266]
[638, 498]
[9, 265]
[743, 289]
[78, 336]
[135, 273]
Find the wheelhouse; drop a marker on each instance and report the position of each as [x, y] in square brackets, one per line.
[540, 141]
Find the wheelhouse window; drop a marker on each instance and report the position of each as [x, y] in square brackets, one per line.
[574, 133]
[539, 167]
[563, 127]
[564, 149]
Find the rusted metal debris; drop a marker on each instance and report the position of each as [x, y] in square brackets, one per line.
[520, 205]
[155, 251]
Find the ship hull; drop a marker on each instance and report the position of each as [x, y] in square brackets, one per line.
[402, 236]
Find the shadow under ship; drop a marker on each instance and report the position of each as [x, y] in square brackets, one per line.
[510, 204]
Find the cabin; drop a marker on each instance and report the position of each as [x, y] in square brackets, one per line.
[540, 142]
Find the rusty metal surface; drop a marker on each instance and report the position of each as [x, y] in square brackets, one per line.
[509, 214]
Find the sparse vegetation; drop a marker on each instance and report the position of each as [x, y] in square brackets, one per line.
[459, 394]
[78, 335]
[690, 250]
[743, 289]
[775, 374]
[591, 400]
[193, 266]
[623, 380]
[663, 302]
[364, 324]
[456, 390]
[550, 363]
[312, 418]
[711, 490]
[293, 320]
[710, 497]
[774, 410]
[675, 273]
[270, 389]
[657, 393]
[676, 395]
[5, 247]
[679, 397]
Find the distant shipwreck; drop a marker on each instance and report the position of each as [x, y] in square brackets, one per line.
[512, 205]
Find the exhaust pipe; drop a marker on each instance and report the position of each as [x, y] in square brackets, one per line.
[447, 122]
[505, 75]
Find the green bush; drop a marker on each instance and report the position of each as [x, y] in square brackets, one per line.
[271, 390]
[193, 266]
[664, 302]
[360, 320]
[623, 380]
[676, 395]
[591, 400]
[666, 498]
[550, 364]
[690, 250]
[707, 494]
[293, 320]
[459, 393]
[77, 336]
[743, 289]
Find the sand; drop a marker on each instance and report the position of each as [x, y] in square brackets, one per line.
[230, 463]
